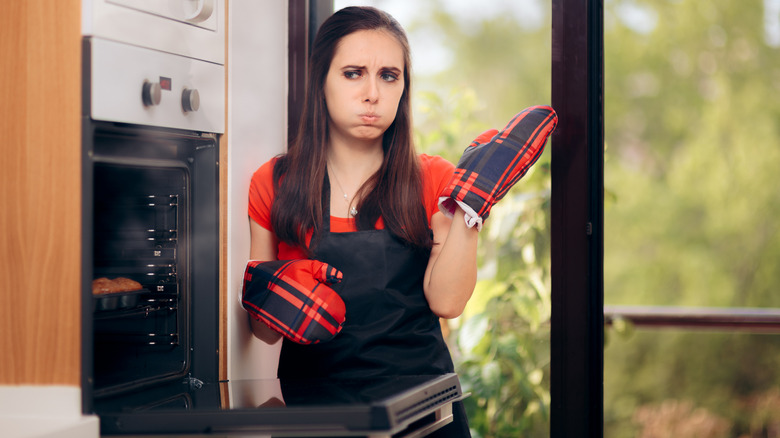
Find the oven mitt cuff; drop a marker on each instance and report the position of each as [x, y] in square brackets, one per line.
[495, 161]
[294, 298]
[448, 206]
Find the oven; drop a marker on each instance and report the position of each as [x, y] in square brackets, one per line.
[153, 113]
[153, 117]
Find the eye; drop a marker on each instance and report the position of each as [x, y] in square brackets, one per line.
[352, 74]
[389, 77]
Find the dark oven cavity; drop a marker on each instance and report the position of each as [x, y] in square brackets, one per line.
[154, 241]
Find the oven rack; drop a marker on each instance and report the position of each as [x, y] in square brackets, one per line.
[135, 201]
[151, 339]
[150, 307]
[157, 302]
[139, 234]
[141, 271]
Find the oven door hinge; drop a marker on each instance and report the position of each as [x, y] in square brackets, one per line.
[193, 382]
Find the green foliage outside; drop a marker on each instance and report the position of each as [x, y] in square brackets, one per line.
[692, 134]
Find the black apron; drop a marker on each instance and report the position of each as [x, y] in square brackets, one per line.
[389, 327]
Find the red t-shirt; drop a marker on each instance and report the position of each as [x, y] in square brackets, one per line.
[436, 174]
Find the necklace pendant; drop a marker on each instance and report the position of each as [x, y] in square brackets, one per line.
[353, 211]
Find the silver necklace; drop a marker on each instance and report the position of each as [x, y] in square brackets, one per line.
[352, 210]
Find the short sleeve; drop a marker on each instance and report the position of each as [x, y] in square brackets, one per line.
[437, 173]
[261, 194]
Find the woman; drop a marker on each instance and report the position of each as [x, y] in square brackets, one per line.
[352, 192]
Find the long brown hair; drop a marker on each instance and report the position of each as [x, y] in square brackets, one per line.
[394, 192]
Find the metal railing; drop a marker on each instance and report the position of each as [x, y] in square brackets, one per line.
[761, 320]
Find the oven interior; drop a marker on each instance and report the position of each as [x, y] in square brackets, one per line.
[154, 221]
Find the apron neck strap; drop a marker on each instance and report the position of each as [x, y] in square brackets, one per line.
[326, 204]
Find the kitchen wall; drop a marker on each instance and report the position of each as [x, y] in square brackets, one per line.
[257, 130]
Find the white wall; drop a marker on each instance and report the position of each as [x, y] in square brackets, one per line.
[257, 130]
[46, 411]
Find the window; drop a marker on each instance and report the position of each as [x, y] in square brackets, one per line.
[691, 206]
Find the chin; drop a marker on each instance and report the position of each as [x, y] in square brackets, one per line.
[369, 133]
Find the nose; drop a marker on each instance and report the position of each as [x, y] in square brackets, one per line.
[372, 90]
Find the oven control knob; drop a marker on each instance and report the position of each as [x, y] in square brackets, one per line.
[151, 93]
[190, 99]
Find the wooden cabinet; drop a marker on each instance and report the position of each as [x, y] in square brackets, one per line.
[40, 193]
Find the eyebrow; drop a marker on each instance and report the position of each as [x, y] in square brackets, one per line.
[363, 67]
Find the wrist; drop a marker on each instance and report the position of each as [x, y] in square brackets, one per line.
[462, 221]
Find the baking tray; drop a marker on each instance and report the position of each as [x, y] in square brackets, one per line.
[117, 300]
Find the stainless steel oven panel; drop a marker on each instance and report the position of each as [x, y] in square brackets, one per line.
[145, 87]
[192, 28]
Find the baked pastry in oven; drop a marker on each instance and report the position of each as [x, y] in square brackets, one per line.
[105, 285]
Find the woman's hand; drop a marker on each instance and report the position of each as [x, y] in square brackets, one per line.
[294, 298]
[452, 269]
[495, 161]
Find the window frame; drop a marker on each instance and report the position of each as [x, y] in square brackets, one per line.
[577, 229]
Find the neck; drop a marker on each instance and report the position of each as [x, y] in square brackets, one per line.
[354, 165]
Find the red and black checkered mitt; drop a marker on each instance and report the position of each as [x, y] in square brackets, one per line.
[293, 297]
[495, 161]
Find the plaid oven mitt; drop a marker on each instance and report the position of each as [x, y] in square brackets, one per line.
[495, 161]
[293, 297]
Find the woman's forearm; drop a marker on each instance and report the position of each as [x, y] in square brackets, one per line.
[452, 271]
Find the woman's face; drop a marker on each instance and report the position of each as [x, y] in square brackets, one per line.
[364, 86]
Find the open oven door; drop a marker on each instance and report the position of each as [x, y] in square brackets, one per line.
[408, 406]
